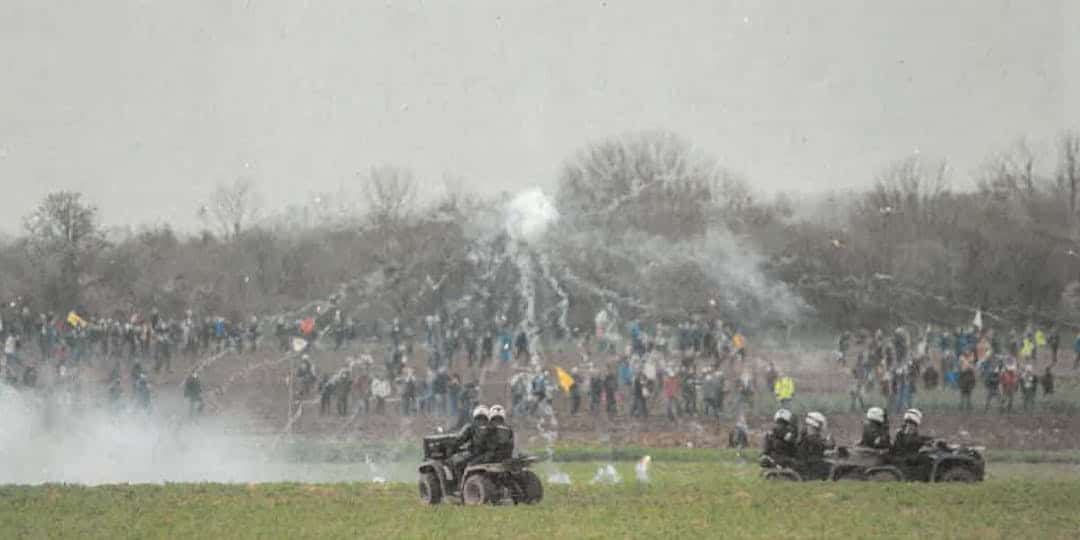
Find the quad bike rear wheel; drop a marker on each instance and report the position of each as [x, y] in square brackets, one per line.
[430, 489]
[478, 489]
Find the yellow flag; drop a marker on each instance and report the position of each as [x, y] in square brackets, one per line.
[75, 320]
[738, 341]
[565, 379]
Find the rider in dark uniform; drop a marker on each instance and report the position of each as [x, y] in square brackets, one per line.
[812, 447]
[905, 450]
[471, 441]
[781, 442]
[500, 443]
[875, 430]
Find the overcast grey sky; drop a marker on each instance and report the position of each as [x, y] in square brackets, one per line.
[145, 105]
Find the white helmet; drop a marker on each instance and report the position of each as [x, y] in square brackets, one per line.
[782, 414]
[480, 411]
[815, 419]
[914, 416]
[876, 414]
[497, 411]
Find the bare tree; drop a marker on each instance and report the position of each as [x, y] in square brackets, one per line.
[391, 194]
[914, 185]
[1068, 173]
[654, 182]
[232, 207]
[1010, 173]
[64, 229]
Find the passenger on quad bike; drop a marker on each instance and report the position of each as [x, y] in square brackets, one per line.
[875, 432]
[471, 441]
[499, 445]
[908, 440]
[812, 446]
[905, 450]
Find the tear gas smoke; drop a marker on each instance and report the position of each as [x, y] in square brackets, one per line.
[529, 214]
[47, 439]
[607, 474]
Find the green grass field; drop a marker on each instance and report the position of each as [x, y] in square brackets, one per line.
[683, 500]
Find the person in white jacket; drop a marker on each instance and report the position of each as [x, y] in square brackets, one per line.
[380, 390]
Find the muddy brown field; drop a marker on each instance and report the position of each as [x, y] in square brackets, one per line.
[254, 388]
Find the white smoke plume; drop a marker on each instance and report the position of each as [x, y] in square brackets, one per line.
[529, 214]
[45, 439]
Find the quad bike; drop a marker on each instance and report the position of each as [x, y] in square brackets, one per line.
[840, 464]
[937, 461]
[505, 482]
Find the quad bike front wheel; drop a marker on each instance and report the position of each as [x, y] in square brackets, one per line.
[478, 489]
[430, 489]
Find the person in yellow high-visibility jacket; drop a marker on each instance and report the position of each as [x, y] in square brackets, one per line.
[1040, 341]
[1027, 349]
[784, 389]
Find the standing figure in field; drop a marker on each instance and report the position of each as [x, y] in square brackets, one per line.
[1029, 386]
[193, 393]
[142, 392]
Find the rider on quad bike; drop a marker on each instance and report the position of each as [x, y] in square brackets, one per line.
[499, 444]
[471, 442]
[781, 443]
[875, 432]
[812, 447]
[905, 449]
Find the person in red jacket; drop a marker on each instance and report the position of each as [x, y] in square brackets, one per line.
[671, 393]
[1010, 381]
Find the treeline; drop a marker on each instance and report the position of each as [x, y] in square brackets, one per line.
[915, 250]
[648, 225]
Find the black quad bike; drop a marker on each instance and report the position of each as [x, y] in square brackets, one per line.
[937, 461]
[839, 464]
[505, 482]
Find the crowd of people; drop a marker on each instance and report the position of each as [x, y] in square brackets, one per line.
[961, 360]
[697, 368]
[143, 344]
